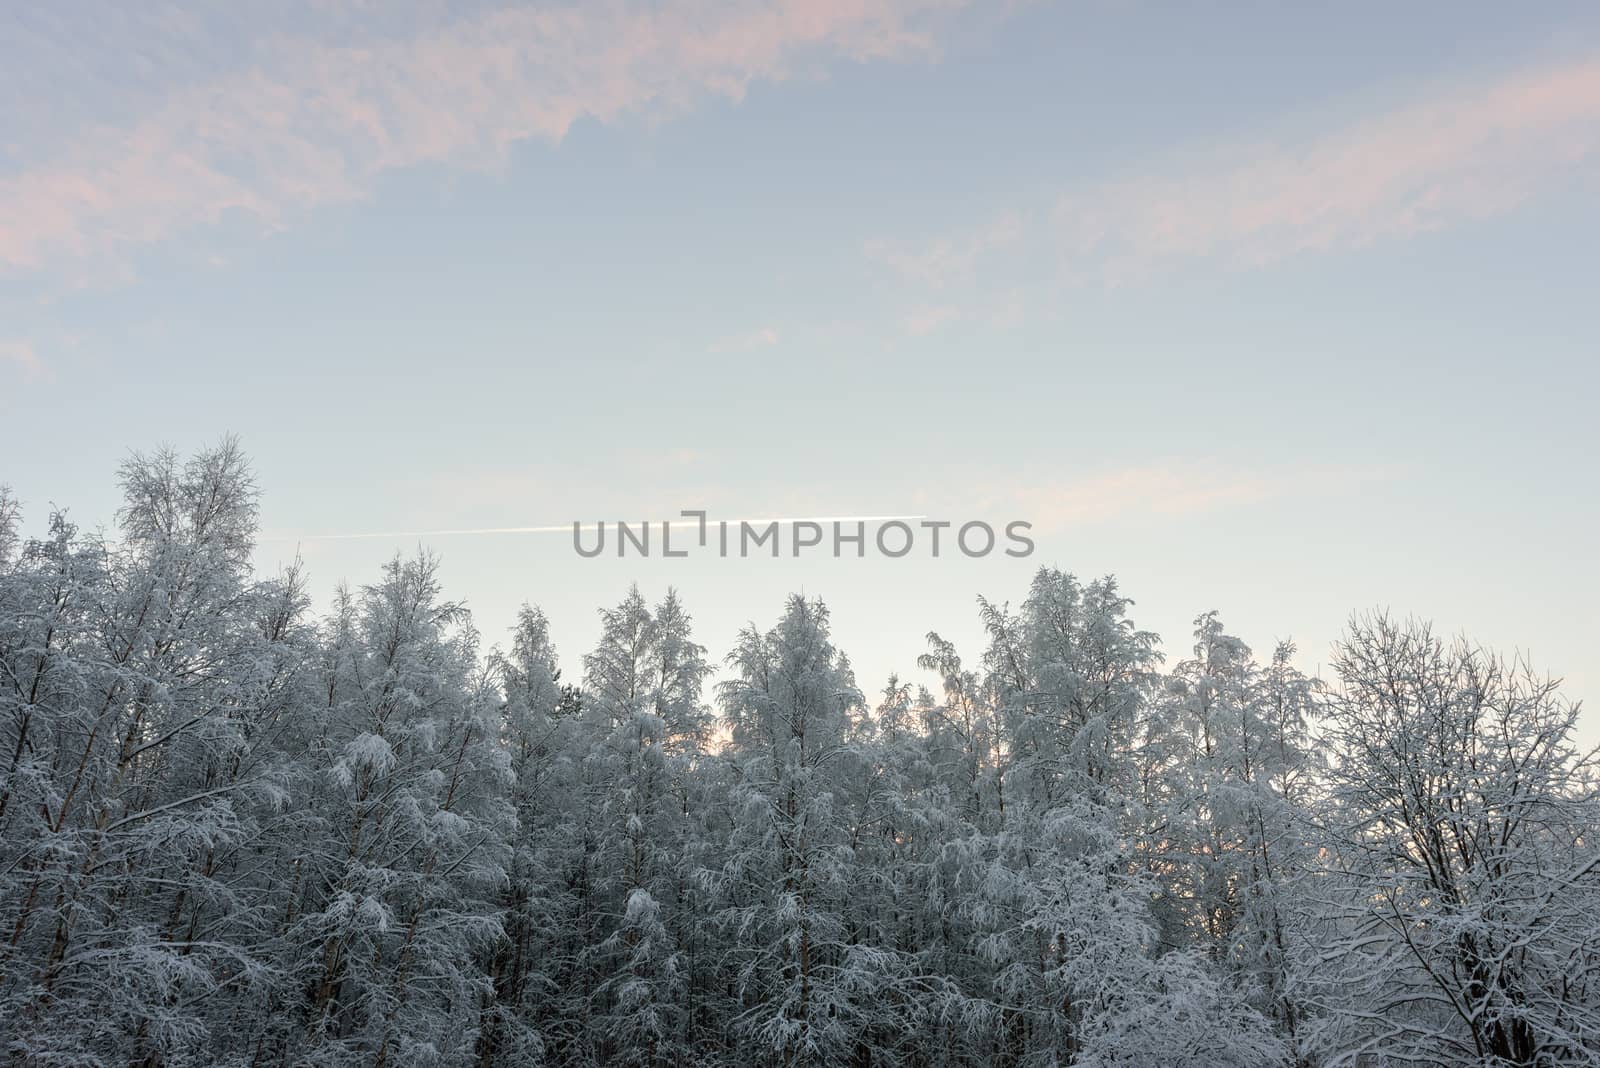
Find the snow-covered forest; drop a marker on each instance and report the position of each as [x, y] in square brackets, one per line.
[240, 829]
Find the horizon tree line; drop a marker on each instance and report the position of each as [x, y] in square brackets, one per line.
[236, 831]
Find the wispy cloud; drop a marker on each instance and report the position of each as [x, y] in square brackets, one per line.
[1440, 159]
[763, 338]
[1155, 490]
[314, 123]
[1448, 159]
[947, 260]
[1158, 490]
[20, 356]
[928, 318]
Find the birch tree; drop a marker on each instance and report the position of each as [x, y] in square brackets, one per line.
[1465, 871]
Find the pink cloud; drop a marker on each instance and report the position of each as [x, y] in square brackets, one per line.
[948, 260]
[20, 354]
[1165, 490]
[1440, 160]
[1169, 490]
[315, 124]
[1445, 160]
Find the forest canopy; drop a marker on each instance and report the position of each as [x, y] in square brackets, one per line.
[236, 829]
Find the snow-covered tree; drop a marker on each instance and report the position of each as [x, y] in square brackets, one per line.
[1227, 746]
[645, 680]
[531, 966]
[786, 877]
[411, 790]
[1463, 867]
[234, 833]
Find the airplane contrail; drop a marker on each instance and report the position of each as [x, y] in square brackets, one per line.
[474, 531]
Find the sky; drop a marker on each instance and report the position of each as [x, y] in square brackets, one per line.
[1282, 312]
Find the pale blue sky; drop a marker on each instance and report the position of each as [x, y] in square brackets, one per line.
[1273, 311]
